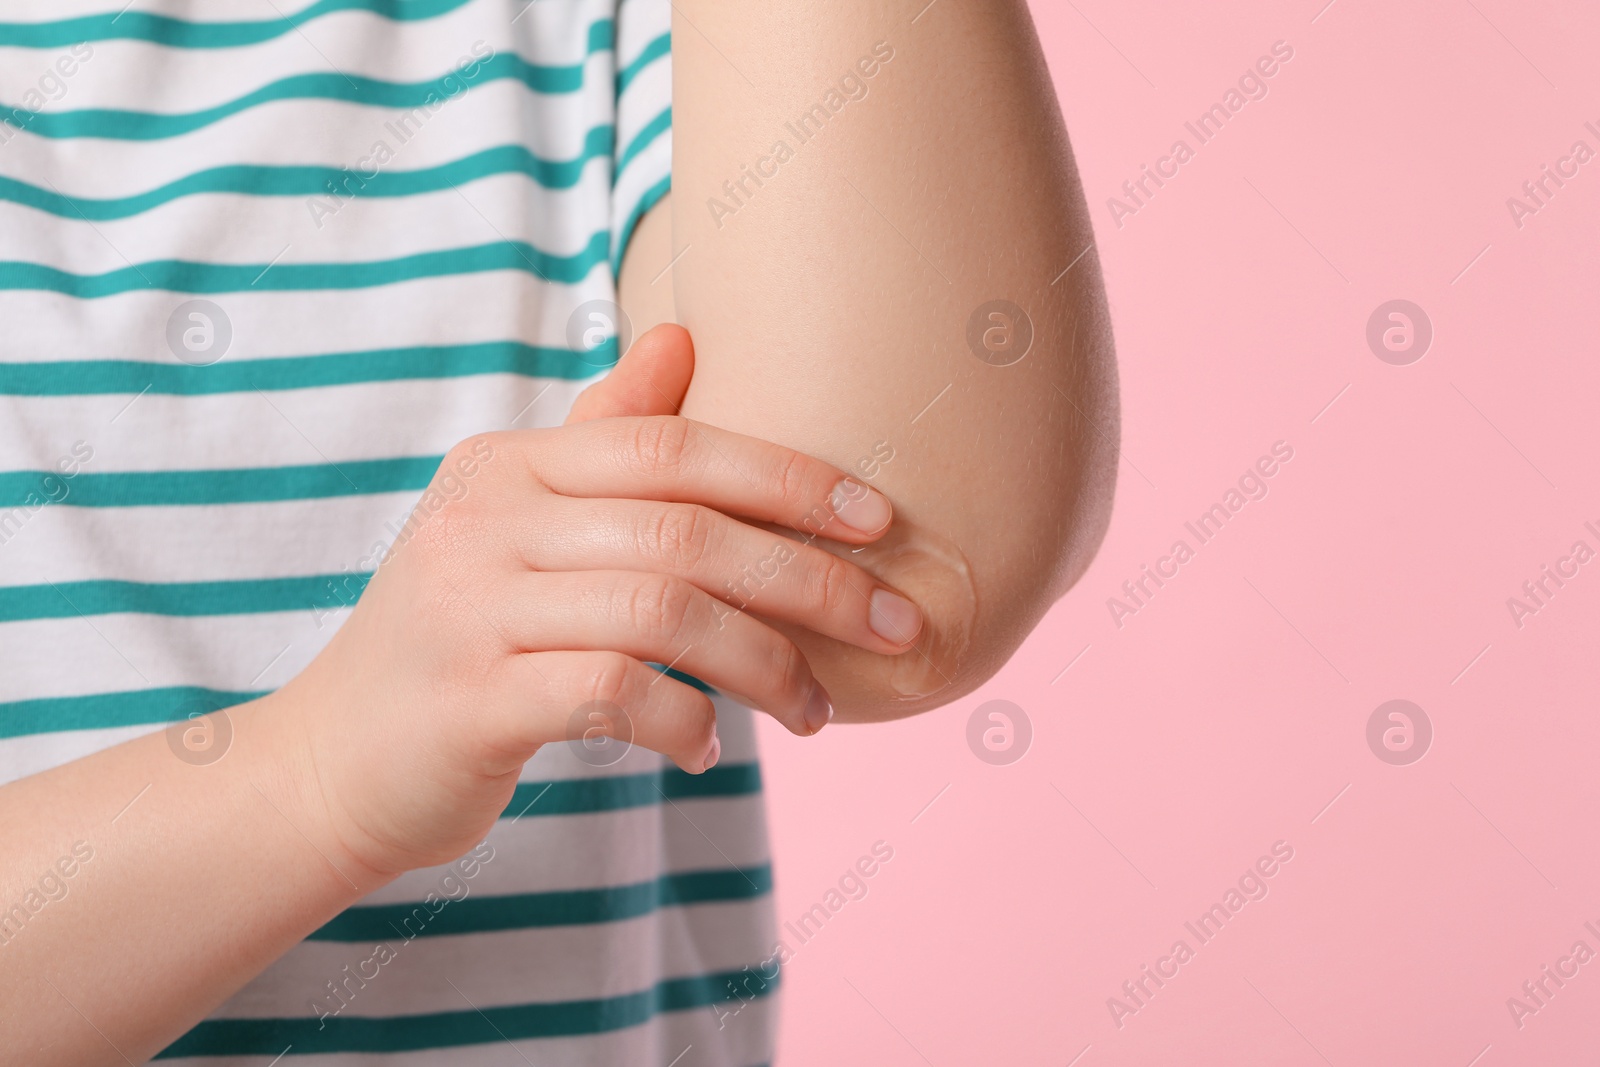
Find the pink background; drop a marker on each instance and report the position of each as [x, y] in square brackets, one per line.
[1230, 711]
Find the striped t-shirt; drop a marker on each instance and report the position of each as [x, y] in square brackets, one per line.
[259, 268]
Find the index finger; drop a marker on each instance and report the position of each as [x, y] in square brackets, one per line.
[671, 458]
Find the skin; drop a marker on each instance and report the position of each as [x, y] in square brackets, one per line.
[830, 304]
[820, 328]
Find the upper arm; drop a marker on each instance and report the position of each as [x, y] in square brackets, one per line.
[644, 284]
[835, 305]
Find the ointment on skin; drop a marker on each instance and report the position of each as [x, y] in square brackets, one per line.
[934, 573]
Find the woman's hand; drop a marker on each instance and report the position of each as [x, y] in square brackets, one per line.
[541, 573]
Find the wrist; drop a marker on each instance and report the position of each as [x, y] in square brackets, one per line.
[279, 762]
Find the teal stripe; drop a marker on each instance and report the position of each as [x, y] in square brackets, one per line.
[143, 707]
[104, 711]
[476, 914]
[178, 33]
[583, 796]
[656, 49]
[344, 183]
[95, 377]
[243, 485]
[119, 125]
[645, 138]
[470, 1026]
[182, 276]
[62, 600]
[651, 197]
[686, 679]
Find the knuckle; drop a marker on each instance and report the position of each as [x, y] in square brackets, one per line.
[468, 459]
[679, 535]
[832, 587]
[458, 539]
[792, 477]
[608, 679]
[792, 670]
[445, 535]
[659, 607]
[457, 455]
[454, 510]
[660, 444]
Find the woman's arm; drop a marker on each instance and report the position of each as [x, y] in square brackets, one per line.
[855, 185]
[541, 572]
[140, 889]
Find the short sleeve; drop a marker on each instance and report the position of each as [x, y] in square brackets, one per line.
[642, 150]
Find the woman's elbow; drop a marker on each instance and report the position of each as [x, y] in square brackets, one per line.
[984, 586]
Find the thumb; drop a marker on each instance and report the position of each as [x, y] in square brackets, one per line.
[650, 379]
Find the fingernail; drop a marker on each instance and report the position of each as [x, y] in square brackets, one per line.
[894, 618]
[859, 507]
[819, 709]
[713, 753]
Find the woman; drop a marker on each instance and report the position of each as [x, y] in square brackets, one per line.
[304, 578]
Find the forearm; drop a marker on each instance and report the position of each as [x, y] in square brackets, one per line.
[830, 303]
[187, 879]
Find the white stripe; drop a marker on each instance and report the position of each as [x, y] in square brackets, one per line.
[353, 43]
[643, 100]
[642, 173]
[289, 230]
[117, 653]
[32, 753]
[162, 544]
[739, 1037]
[497, 305]
[493, 969]
[302, 426]
[311, 133]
